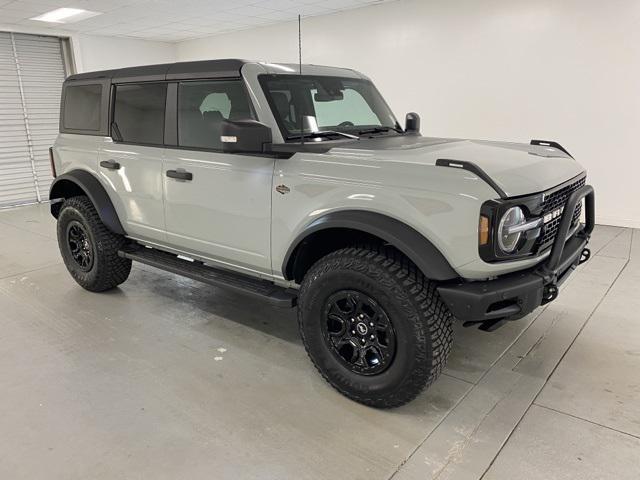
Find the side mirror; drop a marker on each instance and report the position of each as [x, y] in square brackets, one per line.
[412, 123]
[244, 136]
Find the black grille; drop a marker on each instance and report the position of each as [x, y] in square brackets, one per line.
[552, 202]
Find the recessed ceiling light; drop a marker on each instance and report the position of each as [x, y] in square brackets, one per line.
[65, 15]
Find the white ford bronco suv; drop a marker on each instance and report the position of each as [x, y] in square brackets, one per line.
[298, 185]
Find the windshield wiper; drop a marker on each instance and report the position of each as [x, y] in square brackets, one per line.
[323, 133]
[378, 130]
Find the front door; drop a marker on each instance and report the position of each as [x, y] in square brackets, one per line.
[217, 205]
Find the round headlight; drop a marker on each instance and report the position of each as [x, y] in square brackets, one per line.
[507, 240]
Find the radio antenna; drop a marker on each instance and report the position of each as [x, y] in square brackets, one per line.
[300, 44]
[300, 73]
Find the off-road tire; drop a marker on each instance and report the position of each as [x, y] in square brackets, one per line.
[422, 323]
[108, 270]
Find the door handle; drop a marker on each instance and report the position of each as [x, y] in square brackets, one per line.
[110, 164]
[180, 174]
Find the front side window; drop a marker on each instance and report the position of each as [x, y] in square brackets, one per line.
[138, 113]
[319, 103]
[204, 106]
[82, 107]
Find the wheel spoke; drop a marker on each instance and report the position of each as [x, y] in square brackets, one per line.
[355, 302]
[79, 245]
[334, 309]
[335, 325]
[383, 337]
[351, 297]
[358, 303]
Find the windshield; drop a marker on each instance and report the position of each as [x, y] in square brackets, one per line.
[327, 104]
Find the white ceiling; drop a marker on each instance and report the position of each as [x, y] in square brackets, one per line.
[171, 21]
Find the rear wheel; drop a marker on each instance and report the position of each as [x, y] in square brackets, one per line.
[88, 248]
[375, 328]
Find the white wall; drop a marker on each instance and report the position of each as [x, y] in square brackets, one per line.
[102, 53]
[499, 69]
[93, 52]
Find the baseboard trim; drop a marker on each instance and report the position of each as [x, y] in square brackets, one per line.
[617, 222]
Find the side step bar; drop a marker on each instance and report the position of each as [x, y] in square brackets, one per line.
[197, 270]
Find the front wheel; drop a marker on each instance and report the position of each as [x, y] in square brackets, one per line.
[375, 328]
[88, 248]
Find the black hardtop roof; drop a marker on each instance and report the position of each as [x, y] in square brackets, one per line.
[227, 68]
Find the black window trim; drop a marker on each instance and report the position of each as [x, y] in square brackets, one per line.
[171, 116]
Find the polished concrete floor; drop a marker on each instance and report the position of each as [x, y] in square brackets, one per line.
[166, 378]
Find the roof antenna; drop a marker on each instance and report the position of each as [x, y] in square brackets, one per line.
[300, 73]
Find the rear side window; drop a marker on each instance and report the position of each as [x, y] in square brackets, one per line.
[82, 107]
[204, 106]
[138, 113]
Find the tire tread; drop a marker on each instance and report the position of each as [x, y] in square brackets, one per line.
[112, 269]
[433, 324]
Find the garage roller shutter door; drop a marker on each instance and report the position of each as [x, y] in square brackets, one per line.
[31, 76]
[16, 174]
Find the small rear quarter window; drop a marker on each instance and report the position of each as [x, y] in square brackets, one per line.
[82, 107]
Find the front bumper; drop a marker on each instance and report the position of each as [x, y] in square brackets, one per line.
[510, 297]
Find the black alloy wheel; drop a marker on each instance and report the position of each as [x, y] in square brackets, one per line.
[358, 332]
[80, 245]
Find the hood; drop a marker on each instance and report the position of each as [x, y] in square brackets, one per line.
[518, 169]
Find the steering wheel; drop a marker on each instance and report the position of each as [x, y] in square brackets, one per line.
[346, 124]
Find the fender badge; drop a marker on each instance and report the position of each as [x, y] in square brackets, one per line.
[283, 189]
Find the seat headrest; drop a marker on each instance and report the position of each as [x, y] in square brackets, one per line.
[212, 116]
[282, 103]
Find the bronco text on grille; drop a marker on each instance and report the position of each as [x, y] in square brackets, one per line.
[552, 208]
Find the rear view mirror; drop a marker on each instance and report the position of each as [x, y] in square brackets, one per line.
[328, 90]
[244, 136]
[328, 96]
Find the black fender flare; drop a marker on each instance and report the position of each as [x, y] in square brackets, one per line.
[406, 239]
[77, 182]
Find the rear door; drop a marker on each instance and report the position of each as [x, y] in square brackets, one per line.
[131, 163]
[217, 205]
